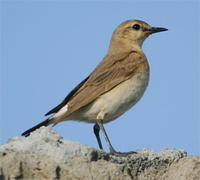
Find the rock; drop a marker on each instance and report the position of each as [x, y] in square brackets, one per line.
[45, 155]
[186, 168]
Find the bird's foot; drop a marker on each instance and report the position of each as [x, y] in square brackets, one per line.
[122, 154]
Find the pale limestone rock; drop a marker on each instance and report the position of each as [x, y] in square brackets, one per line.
[45, 155]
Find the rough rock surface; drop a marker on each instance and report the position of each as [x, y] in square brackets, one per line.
[45, 155]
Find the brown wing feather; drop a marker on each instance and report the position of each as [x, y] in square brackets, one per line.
[105, 77]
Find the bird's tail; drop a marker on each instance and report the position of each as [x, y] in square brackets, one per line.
[43, 123]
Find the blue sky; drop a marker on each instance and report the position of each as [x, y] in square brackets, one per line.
[47, 48]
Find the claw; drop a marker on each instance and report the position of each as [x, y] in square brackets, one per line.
[122, 154]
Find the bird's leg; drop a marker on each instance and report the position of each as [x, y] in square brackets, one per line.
[100, 124]
[96, 132]
[112, 151]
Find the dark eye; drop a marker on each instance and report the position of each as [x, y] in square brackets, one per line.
[136, 26]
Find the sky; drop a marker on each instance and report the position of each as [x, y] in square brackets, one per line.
[47, 48]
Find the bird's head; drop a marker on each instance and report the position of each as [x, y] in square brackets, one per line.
[133, 33]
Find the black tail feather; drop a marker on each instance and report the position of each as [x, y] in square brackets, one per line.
[43, 123]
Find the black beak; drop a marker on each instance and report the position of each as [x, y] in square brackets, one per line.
[156, 29]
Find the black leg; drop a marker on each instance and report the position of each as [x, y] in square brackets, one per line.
[96, 132]
[112, 151]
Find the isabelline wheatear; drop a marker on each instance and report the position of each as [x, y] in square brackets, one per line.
[115, 85]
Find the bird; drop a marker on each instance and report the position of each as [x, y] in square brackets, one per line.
[113, 87]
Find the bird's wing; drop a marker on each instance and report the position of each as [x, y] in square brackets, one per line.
[107, 75]
[67, 98]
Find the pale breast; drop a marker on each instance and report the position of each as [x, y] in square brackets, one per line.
[125, 96]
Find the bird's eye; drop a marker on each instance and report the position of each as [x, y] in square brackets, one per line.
[136, 26]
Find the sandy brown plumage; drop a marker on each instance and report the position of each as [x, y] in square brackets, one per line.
[114, 86]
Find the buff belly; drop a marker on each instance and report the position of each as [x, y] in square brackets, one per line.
[114, 103]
